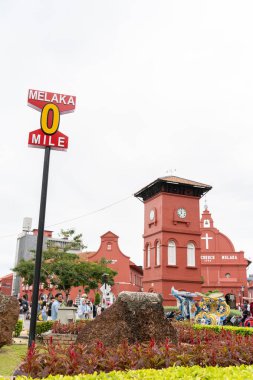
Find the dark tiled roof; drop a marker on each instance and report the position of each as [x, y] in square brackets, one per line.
[174, 185]
[184, 181]
[138, 268]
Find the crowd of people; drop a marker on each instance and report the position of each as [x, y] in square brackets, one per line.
[48, 307]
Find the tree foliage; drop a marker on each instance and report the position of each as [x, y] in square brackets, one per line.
[75, 241]
[65, 270]
[97, 298]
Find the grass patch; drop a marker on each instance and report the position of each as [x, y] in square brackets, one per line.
[10, 357]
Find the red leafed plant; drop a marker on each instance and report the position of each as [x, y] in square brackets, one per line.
[201, 347]
[69, 328]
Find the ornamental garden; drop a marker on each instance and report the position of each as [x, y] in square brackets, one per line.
[131, 345]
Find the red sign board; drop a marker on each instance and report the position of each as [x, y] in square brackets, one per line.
[38, 139]
[38, 99]
[51, 105]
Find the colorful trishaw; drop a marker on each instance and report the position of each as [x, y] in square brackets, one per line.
[212, 309]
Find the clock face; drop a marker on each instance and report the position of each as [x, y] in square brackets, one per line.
[181, 212]
[152, 215]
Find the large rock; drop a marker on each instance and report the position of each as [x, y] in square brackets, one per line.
[9, 312]
[135, 317]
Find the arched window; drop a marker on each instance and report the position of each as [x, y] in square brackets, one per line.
[109, 246]
[190, 255]
[148, 256]
[172, 254]
[157, 254]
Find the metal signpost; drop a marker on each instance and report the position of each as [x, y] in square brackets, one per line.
[51, 106]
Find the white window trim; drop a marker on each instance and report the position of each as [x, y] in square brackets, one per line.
[148, 256]
[191, 259]
[172, 253]
[158, 253]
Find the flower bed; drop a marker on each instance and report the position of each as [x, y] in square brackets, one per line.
[195, 372]
[196, 347]
[69, 328]
[63, 334]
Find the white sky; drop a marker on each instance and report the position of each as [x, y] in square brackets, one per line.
[160, 85]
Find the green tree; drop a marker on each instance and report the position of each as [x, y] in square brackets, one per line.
[65, 270]
[97, 298]
[75, 241]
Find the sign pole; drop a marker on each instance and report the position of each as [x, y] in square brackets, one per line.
[36, 281]
[50, 105]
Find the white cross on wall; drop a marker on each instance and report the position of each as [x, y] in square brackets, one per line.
[206, 238]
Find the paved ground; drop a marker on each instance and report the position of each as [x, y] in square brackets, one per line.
[26, 326]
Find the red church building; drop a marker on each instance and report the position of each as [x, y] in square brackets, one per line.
[222, 267]
[128, 278]
[172, 235]
[129, 275]
[182, 251]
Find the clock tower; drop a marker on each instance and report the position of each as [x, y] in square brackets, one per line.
[172, 235]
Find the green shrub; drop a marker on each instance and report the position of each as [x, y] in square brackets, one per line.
[234, 312]
[42, 327]
[18, 328]
[97, 299]
[237, 330]
[167, 309]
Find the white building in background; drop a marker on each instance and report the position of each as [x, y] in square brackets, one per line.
[26, 247]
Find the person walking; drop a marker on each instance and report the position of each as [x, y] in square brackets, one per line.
[55, 306]
[94, 311]
[25, 305]
[90, 312]
[49, 307]
[44, 311]
[83, 310]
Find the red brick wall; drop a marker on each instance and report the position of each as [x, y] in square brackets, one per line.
[168, 226]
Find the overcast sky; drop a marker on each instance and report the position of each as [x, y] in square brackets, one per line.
[160, 85]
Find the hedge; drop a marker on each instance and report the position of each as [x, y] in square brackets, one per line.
[184, 373]
[18, 328]
[167, 309]
[234, 312]
[42, 327]
[235, 329]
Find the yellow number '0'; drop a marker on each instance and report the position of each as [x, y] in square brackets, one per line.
[55, 118]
